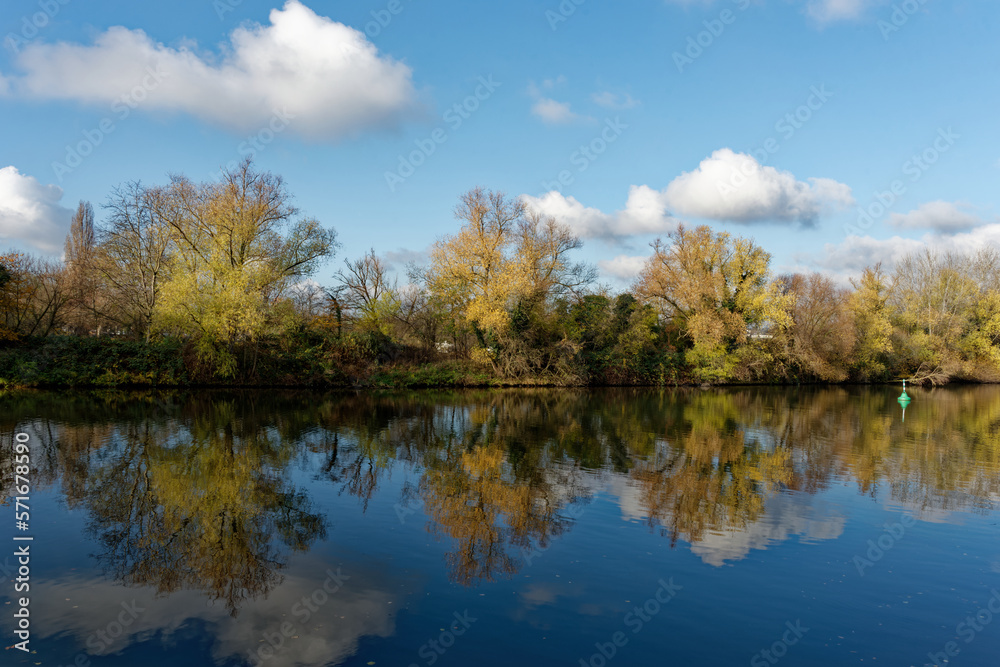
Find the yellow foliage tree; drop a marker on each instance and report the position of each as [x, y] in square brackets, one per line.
[235, 255]
[716, 289]
[873, 326]
[504, 255]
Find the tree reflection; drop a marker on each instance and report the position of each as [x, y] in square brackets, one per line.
[197, 504]
[193, 491]
[471, 496]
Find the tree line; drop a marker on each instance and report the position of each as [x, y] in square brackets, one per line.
[223, 271]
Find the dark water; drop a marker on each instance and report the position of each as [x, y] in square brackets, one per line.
[730, 527]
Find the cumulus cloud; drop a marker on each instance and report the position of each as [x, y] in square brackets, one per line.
[788, 515]
[363, 608]
[940, 216]
[325, 75]
[31, 213]
[729, 186]
[849, 258]
[624, 267]
[645, 212]
[552, 111]
[610, 100]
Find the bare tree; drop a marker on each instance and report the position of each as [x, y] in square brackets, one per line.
[364, 284]
[133, 255]
[32, 298]
[82, 288]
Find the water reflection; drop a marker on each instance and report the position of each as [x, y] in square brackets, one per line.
[321, 635]
[194, 492]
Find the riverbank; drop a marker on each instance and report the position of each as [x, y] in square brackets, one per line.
[80, 362]
[351, 362]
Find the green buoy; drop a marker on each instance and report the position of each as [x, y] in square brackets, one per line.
[904, 400]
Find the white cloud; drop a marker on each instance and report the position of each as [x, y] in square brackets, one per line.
[327, 76]
[398, 260]
[551, 111]
[623, 267]
[610, 100]
[822, 11]
[645, 212]
[788, 514]
[30, 212]
[850, 257]
[734, 187]
[940, 216]
[828, 11]
[363, 608]
[558, 82]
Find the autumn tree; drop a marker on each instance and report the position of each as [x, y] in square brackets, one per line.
[132, 257]
[717, 290]
[872, 324]
[236, 253]
[473, 269]
[505, 262]
[367, 291]
[81, 283]
[32, 296]
[945, 306]
[822, 331]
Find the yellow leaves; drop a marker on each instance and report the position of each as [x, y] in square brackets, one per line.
[873, 326]
[502, 253]
[713, 286]
[233, 258]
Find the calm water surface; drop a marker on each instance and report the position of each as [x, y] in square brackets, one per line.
[614, 527]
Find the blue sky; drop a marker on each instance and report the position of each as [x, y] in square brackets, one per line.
[778, 119]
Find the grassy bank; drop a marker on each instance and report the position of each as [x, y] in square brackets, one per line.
[70, 361]
[311, 360]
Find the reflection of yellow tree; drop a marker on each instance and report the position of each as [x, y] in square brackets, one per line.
[198, 500]
[472, 498]
[707, 476]
[199, 510]
[945, 456]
